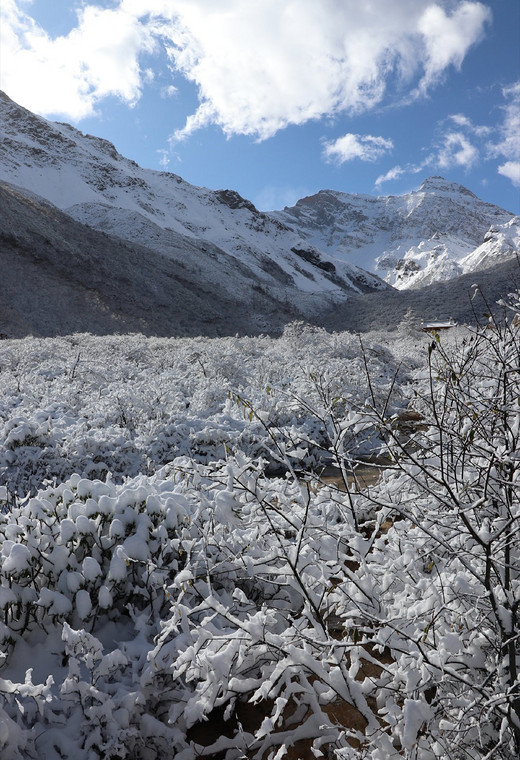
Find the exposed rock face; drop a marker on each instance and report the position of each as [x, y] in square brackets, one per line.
[313, 257]
[232, 199]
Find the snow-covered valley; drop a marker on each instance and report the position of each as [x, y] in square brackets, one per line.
[176, 582]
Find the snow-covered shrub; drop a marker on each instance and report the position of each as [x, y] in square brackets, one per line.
[80, 561]
[163, 599]
[130, 404]
[440, 588]
[204, 609]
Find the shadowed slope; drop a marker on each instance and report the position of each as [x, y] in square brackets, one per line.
[60, 276]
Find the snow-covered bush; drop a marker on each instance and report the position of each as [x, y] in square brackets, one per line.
[157, 602]
[128, 405]
[203, 609]
[441, 587]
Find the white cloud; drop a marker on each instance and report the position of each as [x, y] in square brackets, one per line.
[68, 75]
[456, 150]
[395, 173]
[464, 122]
[511, 170]
[508, 146]
[262, 65]
[364, 147]
[169, 91]
[460, 120]
[398, 171]
[448, 37]
[258, 65]
[164, 158]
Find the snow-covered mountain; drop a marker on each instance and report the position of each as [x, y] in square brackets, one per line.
[60, 276]
[438, 232]
[297, 263]
[216, 232]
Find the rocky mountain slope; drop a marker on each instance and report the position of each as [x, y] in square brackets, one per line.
[90, 241]
[60, 277]
[438, 232]
[86, 177]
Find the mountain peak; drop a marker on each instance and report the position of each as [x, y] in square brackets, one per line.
[326, 247]
[411, 240]
[438, 184]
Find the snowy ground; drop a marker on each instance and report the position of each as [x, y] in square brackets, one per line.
[127, 405]
[162, 570]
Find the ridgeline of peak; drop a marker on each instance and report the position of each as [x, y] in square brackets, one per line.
[438, 184]
[434, 233]
[435, 185]
[309, 256]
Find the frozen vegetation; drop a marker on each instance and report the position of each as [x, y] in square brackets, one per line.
[129, 404]
[176, 583]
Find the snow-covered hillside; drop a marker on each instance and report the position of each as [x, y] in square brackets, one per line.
[87, 178]
[438, 232]
[60, 277]
[311, 255]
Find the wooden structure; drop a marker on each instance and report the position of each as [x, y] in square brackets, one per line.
[435, 325]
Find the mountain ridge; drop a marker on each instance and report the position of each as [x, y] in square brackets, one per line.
[437, 232]
[233, 267]
[81, 174]
[430, 234]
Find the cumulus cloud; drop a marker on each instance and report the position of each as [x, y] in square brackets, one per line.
[457, 150]
[446, 37]
[348, 147]
[168, 91]
[453, 150]
[258, 66]
[68, 75]
[511, 170]
[471, 143]
[262, 65]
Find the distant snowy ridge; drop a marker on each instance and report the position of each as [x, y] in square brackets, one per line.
[319, 253]
[86, 177]
[438, 232]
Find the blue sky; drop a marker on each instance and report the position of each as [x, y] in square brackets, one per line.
[281, 98]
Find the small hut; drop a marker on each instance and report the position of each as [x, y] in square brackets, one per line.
[436, 325]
